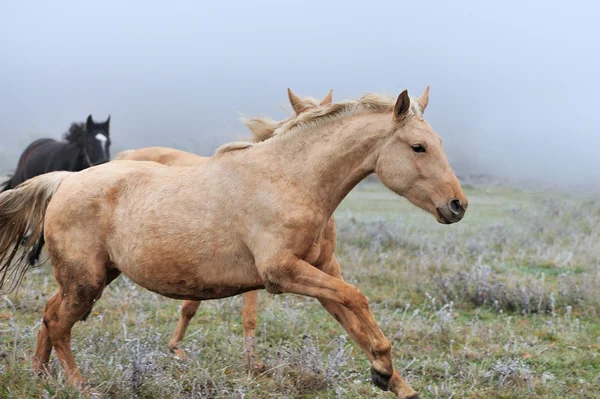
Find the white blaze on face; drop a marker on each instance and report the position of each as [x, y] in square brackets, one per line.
[101, 138]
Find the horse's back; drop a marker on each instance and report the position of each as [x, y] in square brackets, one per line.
[37, 158]
[162, 155]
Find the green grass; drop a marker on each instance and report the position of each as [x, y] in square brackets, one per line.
[501, 305]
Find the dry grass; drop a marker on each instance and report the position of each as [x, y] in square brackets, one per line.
[503, 304]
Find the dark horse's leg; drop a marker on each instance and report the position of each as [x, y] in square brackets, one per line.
[34, 254]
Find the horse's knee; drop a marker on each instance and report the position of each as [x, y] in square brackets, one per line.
[355, 300]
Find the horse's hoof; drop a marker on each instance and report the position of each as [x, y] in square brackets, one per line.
[91, 393]
[257, 368]
[39, 369]
[180, 353]
[382, 381]
[40, 372]
[77, 381]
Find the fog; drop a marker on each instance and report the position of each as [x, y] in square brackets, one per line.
[513, 84]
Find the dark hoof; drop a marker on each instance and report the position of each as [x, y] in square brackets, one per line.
[380, 380]
[415, 396]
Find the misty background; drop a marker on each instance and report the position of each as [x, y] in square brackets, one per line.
[513, 84]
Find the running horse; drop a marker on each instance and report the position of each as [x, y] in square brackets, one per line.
[251, 217]
[84, 145]
[261, 129]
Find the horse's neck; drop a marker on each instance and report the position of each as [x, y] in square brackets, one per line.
[73, 153]
[330, 160]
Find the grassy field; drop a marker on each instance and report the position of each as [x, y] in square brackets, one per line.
[504, 304]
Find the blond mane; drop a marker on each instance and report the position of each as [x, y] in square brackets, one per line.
[368, 103]
[264, 129]
[236, 145]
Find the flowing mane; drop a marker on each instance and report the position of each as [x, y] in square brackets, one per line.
[265, 129]
[75, 133]
[262, 128]
[368, 103]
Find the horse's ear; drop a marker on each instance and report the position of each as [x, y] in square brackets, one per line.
[107, 124]
[296, 102]
[328, 98]
[424, 98]
[402, 105]
[89, 122]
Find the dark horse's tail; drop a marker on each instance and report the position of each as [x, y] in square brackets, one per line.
[21, 209]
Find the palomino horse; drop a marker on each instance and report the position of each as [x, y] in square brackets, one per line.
[261, 129]
[84, 145]
[251, 217]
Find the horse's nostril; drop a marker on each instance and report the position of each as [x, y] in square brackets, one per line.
[455, 206]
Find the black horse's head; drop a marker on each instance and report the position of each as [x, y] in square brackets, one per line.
[96, 141]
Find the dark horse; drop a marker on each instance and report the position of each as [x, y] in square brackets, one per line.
[83, 146]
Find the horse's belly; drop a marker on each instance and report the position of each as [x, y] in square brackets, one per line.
[194, 281]
[198, 294]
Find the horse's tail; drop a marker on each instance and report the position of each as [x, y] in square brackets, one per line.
[123, 155]
[23, 209]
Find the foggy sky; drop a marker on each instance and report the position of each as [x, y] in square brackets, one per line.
[513, 84]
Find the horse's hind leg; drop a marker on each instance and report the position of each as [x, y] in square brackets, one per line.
[110, 277]
[188, 310]
[79, 287]
[249, 318]
[43, 346]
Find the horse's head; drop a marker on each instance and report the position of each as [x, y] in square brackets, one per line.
[412, 162]
[97, 141]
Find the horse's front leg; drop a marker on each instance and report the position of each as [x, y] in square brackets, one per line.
[354, 329]
[292, 275]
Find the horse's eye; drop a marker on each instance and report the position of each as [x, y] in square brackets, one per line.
[418, 148]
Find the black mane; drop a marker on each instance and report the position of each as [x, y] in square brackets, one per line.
[75, 133]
